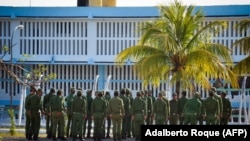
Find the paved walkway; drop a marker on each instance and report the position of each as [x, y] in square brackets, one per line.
[45, 139]
[4, 124]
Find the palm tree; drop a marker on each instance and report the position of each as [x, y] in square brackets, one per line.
[178, 44]
[242, 67]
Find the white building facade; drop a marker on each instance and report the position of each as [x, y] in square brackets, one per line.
[79, 43]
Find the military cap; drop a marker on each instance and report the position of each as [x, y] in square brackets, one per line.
[39, 90]
[79, 92]
[107, 93]
[160, 94]
[223, 93]
[127, 90]
[196, 94]
[59, 92]
[213, 89]
[163, 93]
[138, 93]
[89, 91]
[99, 93]
[52, 90]
[122, 91]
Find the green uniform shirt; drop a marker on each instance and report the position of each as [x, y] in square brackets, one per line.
[160, 107]
[34, 103]
[211, 106]
[116, 106]
[139, 107]
[98, 106]
[126, 103]
[181, 103]
[57, 104]
[227, 108]
[192, 107]
[78, 105]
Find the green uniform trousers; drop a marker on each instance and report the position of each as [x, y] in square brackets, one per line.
[69, 125]
[117, 126]
[77, 122]
[138, 121]
[27, 124]
[98, 124]
[190, 119]
[35, 124]
[58, 121]
[160, 119]
[211, 119]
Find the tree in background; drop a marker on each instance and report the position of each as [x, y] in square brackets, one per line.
[178, 44]
[242, 67]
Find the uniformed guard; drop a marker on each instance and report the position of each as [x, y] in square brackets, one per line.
[211, 110]
[35, 108]
[139, 114]
[69, 100]
[39, 93]
[57, 109]
[149, 120]
[181, 102]
[127, 107]
[216, 96]
[167, 105]
[192, 110]
[227, 109]
[116, 113]
[201, 117]
[173, 103]
[159, 110]
[99, 113]
[47, 112]
[107, 98]
[78, 108]
[28, 114]
[129, 123]
[88, 120]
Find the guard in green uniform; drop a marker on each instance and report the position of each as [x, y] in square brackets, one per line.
[88, 120]
[116, 113]
[47, 111]
[173, 103]
[192, 110]
[78, 108]
[149, 120]
[127, 107]
[216, 96]
[139, 114]
[57, 109]
[69, 100]
[159, 111]
[129, 123]
[28, 114]
[181, 102]
[107, 98]
[35, 107]
[201, 117]
[227, 109]
[167, 105]
[39, 93]
[99, 113]
[211, 110]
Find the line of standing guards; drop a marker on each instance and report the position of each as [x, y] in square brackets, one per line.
[125, 113]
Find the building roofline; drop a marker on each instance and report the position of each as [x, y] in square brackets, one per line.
[114, 12]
